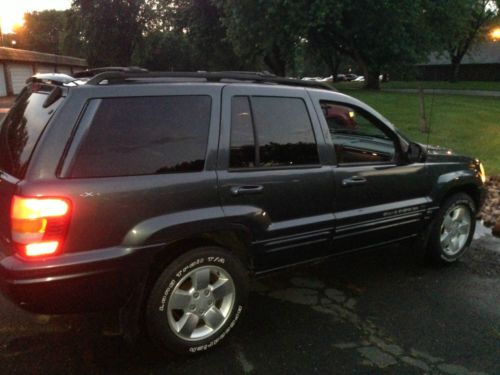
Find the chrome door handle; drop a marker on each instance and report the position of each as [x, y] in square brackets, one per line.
[354, 180]
[247, 189]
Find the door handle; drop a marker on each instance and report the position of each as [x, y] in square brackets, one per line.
[354, 180]
[247, 189]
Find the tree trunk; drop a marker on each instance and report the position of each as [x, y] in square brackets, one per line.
[336, 65]
[372, 81]
[455, 68]
[275, 62]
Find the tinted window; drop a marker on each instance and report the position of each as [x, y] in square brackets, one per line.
[242, 134]
[21, 130]
[355, 136]
[145, 135]
[284, 132]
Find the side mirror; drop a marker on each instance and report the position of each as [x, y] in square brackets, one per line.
[414, 152]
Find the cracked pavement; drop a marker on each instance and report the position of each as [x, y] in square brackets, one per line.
[383, 312]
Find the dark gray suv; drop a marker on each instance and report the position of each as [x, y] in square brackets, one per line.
[162, 194]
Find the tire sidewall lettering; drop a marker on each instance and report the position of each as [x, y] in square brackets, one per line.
[219, 338]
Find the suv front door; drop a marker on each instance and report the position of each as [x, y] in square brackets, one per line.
[379, 198]
[270, 174]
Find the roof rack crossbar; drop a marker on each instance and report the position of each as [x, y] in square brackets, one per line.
[259, 77]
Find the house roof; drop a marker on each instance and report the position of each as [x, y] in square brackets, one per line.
[21, 55]
[483, 53]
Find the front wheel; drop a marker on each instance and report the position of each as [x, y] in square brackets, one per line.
[197, 300]
[453, 229]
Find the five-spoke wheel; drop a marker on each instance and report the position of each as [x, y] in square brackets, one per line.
[201, 302]
[452, 229]
[197, 300]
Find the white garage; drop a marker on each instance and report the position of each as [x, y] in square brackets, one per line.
[17, 65]
[3, 84]
[18, 74]
[64, 70]
[45, 69]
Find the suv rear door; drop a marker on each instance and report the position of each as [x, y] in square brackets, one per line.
[271, 175]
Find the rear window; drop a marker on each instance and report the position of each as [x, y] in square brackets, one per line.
[145, 135]
[21, 130]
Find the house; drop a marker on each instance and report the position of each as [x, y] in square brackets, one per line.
[481, 63]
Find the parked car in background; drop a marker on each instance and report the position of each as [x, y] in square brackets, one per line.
[328, 79]
[311, 78]
[340, 78]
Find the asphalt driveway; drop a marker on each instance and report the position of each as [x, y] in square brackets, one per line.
[380, 313]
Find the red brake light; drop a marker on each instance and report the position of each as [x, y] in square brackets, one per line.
[39, 224]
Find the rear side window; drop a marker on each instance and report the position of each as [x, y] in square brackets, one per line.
[242, 134]
[282, 133]
[145, 135]
[21, 130]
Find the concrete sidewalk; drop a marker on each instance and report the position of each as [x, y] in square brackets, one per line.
[448, 92]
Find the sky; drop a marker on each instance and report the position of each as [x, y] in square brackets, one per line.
[12, 11]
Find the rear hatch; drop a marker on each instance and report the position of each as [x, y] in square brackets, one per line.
[19, 133]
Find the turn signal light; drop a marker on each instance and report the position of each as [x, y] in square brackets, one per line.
[38, 225]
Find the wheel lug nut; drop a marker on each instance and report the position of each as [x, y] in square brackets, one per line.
[207, 292]
[192, 307]
[196, 295]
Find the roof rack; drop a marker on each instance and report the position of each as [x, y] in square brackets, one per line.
[117, 77]
[93, 72]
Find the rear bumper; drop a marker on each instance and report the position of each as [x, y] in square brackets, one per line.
[78, 282]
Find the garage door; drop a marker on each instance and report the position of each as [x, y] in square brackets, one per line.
[64, 69]
[3, 86]
[19, 73]
[44, 69]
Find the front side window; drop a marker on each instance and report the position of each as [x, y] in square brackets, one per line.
[271, 132]
[355, 136]
[145, 135]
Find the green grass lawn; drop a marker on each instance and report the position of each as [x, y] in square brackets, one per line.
[466, 85]
[468, 125]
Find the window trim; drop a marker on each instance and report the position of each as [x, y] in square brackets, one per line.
[256, 138]
[373, 120]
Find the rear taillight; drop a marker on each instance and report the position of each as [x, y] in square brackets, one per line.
[39, 225]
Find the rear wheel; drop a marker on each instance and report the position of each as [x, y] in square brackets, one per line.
[197, 300]
[453, 229]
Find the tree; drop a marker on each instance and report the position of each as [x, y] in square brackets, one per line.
[460, 24]
[267, 31]
[110, 29]
[186, 35]
[200, 21]
[73, 40]
[43, 31]
[377, 35]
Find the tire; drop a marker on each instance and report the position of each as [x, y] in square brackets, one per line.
[452, 230]
[197, 300]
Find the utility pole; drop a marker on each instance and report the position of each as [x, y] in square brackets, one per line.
[1, 35]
